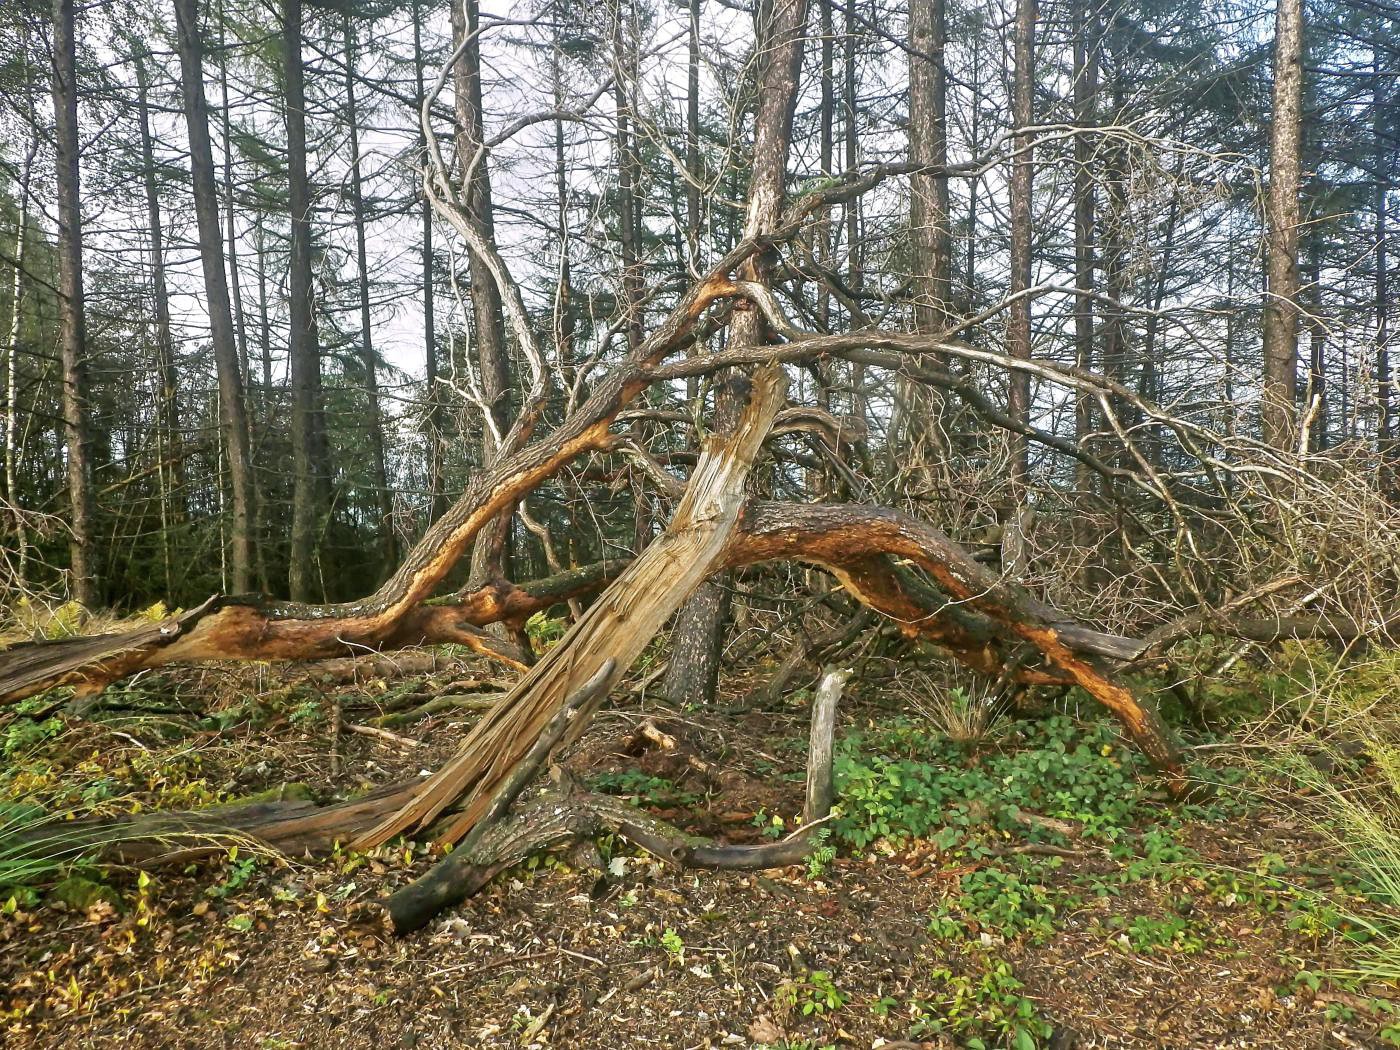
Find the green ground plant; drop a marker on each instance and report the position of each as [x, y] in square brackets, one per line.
[811, 992]
[898, 781]
[981, 1009]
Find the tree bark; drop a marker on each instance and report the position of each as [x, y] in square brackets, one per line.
[930, 233]
[310, 469]
[379, 474]
[168, 407]
[492, 555]
[1387, 431]
[311, 476]
[1280, 391]
[435, 423]
[1086, 68]
[1014, 529]
[72, 316]
[9, 367]
[928, 145]
[699, 629]
[615, 628]
[233, 409]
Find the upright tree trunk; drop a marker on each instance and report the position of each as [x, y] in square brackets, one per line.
[974, 144]
[1316, 398]
[73, 350]
[435, 421]
[928, 145]
[1387, 438]
[827, 160]
[628, 175]
[565, 322]
[9, 369]
[1086, 70]
[310, 473]
[233, 412]
[379, 474]
[240, 319]
[850, 106]
[698, 632]
[230, 211]
[169, 459]
[491, 555]
[1019, 325]
[1280, 393]
[693, 164]
[932, 255]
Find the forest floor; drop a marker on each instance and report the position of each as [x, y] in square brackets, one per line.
[1032, 889]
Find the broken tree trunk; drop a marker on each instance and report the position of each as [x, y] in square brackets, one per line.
[982, 620]
[566, 814]
[617, 627]
[464, 870]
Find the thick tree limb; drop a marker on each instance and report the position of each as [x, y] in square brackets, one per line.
[90, 664]
[841, 540]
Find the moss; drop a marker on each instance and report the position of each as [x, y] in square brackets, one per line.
[278, 793]
[80, 893]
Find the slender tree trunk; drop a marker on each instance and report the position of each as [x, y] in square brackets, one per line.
[310, 476]
[169, 460]
[1280, 393]
[850, 106]
[698, 632]
[827, 162]
[264, 319]
[9, 369]
[1316, 398]
[693, 163]
[1115, 228]
[1086, 75]
[230, 208]
[73, 350]
[491, 555]
[435, 419]
[232, 405]
[974, 145]
[379, 474]
[932, 255]
[1019, 325]
[1387, 438]
[240, 320]
[928, 145]
[628, 175]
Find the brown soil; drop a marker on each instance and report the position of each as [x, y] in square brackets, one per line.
[565, 954]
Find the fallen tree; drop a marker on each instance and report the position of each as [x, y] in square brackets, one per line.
[891, 562]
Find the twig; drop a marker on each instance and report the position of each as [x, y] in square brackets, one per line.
[383, 734]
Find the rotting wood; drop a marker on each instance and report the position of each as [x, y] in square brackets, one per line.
[821, 782]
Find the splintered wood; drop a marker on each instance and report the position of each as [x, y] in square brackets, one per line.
[618, 627]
